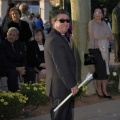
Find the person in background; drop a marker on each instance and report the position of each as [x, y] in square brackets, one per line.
[17, 5]
[106, 18]
[108, 22]
[32, 18]
[50, 26]
[13, 60]
[24, 30]
[36, 54]
[24, 14]
[116, 31]
[47, 27]
[99, 32]
[38, 21]
[60, 67]
[6, 20]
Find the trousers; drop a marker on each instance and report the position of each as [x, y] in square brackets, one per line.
[12, 76]
[64, 112]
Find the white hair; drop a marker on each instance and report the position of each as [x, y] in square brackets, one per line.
[13, 28]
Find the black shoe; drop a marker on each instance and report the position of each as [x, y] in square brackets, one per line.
[109, 97]
[100, 96]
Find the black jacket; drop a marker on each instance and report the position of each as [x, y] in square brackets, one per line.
[36, 57]
[11, 58]
[24, 30]
[60, 66]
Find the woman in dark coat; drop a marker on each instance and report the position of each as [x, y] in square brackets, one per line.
[36, 54]
[24, 30]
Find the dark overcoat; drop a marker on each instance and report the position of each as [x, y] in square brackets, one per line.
[60, 66]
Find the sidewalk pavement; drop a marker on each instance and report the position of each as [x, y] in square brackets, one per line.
[109, 110]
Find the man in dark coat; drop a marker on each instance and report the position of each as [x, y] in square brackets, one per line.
[13, 60]
[60, 66]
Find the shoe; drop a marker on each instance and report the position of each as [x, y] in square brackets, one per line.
[105, 96]
[100, 96]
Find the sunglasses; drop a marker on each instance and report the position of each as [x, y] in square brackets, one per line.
[63, 20]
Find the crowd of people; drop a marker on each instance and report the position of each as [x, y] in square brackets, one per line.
[22, 38]
[26, 50]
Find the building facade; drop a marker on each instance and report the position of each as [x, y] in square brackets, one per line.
[44, 6]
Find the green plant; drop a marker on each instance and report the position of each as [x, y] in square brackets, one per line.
[11, 104]
[114, 80]
[35, 92]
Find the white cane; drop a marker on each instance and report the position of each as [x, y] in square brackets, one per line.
[89, 77]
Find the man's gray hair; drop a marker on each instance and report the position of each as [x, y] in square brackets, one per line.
[15, 29]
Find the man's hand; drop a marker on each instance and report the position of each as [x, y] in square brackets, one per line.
[42, 65]
[21, 70]
[74, 90]
[108, 37]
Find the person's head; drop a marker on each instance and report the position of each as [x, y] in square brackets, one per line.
[60, 20]
[98, 13]
[119, 4]
[31, 16]
[39, 36]
[12, 34]
[15, 14]
[104, 11]
[37, 15]
[24, 8]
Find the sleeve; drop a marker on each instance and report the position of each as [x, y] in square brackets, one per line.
[4, 62]
[28, 31]
[3, 22]
[90, 31]
[108, 31]
[60, 59]
[24, 57]
[32, 56]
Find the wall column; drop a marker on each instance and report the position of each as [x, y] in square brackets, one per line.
[45, 7]
[3, 8]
